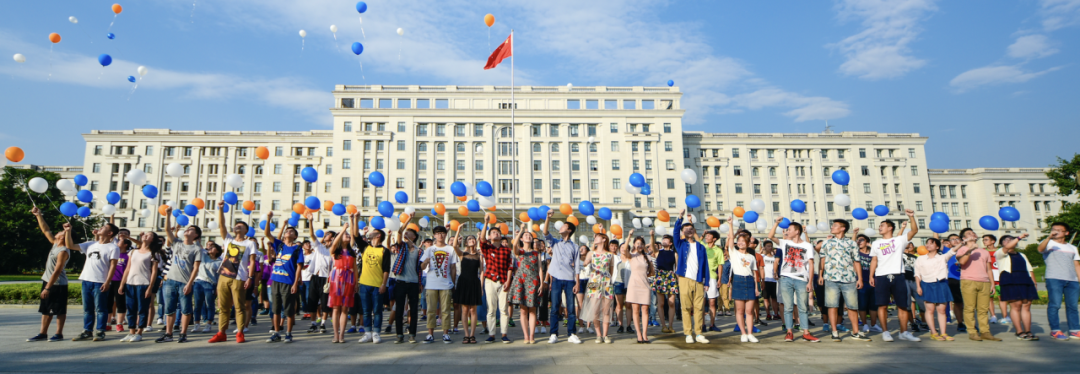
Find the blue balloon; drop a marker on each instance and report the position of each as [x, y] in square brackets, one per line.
[484, 188]
[859, 213]
[85, 196]
[262, 225]
[225, 209]
[339, 210]
[182, 220]
[246, 212]
[112, 197]
[798, 206]
[191, 210]
[376, 179]
[544, 209]
[784, 223]
[939, 216]
[104, 60]
[312, 203]
[692, 201]
[361, 7]
[251, 232]
[670, 83]
[881, 210]
[69, 209]
[1009, 214]
[294, 215]
[939, 226]
[131, 78]
[434, 213]
[319, 233]
[473, 205]
[988, 223]
[230, 198]
[177, 213]
[841, 177]
[646, 190]
[149, 191]
[386, 209]
[458, 189]
[357, 48]
[533, 213]
[479, 225]
[110, 35]
[309, 174]
[586, 208]
[750, 217]
[605, 214]
[361, 225]
[401, 197]
[80, 180]
[377, 223]
[294, 222]
[84, 211]
[637, 180]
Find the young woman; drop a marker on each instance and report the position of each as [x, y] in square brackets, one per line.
[583, 282]
[767, 268]
[205, 285]
[119, 308]
[599, 290]
[54, 283]
[620, 276]
[524, 287]
[468, 291]
[141, 270]
[744, 286]
[911, 253]
[867, 304]
[638, 291]
[540, 247]
[932, 280]
[342, 280]
[666, 285]
[1017, 285]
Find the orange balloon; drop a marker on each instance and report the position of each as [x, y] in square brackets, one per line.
[250, 205]
[454, 225]
[535, 227]
[572, 219]
[596, 229]
[566, 209]
[54, 37]
[712, 222]
[351, 209]
[491, 218]
[14, 154]
[198, 203]
[440, 208]
[413, 227]
[405, 218]
[616, 230]
[663, 216]
[462, 210]
[524, 217]
[492, 208]
[739, 211]
[312, 211]
[116, 8]
[262, 153]
[922, 250]
[163, 210]
[298, 208]
[504, 228]
[489, 20]
[328, 205]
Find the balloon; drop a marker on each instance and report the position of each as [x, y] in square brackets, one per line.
[484, 188]
[72, 19]
[712, 222]
[137, 177]
[84, 211]
[131, 78]
[558, 226]
[361, 7]
[454, 224]
[357, 48]
[524, 217]
[20, 58]
[177, 213]
[489, 19]
[798, 206]
[40, 185]
[669, 84]
[262, 153]
[939, 216]
[303, 34]
[65, 185]
[251, 232]
[663, 216]
[757, 205]
[333, 28]
[637, 180]
[823, 226]
[440, 209]
[116, 8]
[462, 198]
[69, 209]
[661, 230]
[636, 222]
[724, 229]
[784, 223]
[191, 210]
[142, 71]
[469, 191]
[598, 229]
[616, 221]
[163, 209]
[14, 154]
[616, 230]
[939, 226]
[149, 191]
[750, 217]
[312, 203]
[424, 222]
[338, 209]
[327, 205]
[811, 229]
[841, 177]
[688, 176]
[573, 220]
[225, 209]
[988, 223]
[309, 174]
[230, 198]
[198, 203]
[534, 213]
[922, 250]
[631, 189]
[410, 210]
[645, 190]
[1009, 214]
[401, 197]
[535, 227]
[842, 200]
[586, 208]
[54, 37]
[108, 210]
[646, 222]
[565, 208]
[739, 211]
[473, 205]
[104, 59]
[605, 214]
[212, 225]
[859, 213]
[870, 232]
[487, 202]
[234, 180]
[386, 208]
[463, 210]
[881, 210]
[176, 170]
[490, 218]
[246, 211]
[400, 31]
[692, 201]
[590, 220]
[110, 35]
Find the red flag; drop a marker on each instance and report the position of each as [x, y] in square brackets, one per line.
[505, 50]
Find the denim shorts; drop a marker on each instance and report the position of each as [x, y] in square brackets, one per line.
[833, 291]
[174, 294]
[620, 288]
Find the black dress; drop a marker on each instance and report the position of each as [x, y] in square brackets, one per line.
[468, 290]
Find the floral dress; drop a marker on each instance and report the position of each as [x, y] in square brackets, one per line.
[600, 281]
[525, 285]
[342, 282]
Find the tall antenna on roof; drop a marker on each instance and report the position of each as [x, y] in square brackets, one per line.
[828, 129]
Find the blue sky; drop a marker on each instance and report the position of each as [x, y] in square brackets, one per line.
[991, 83]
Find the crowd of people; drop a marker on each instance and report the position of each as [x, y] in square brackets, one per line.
[345, 281]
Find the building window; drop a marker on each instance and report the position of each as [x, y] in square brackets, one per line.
[421, 165]
[97, 150]
[346, 164]
[738, 170]
[738, 187]
[553, 130]
[346, 145]
[862, 152]
[866, 187]
[914, 170]
[734, 153]
[538, 184]
[865, 171]
[614, 128]
[616, 183]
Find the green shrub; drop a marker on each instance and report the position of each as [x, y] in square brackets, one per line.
[1033, 255]
[30, 293]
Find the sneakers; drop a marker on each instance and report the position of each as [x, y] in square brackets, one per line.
[313, 328]
[750, 338]
[375, 338]
[183, 338]
[387, 331]
[599, 340]
[573, 339]
[505, 340]
[1059, 335]
[623, 329]
[860, 336]
[886, 336]
[701, 339]
[218, 338]
[366, 339]
[607, 340]
[100, 336]
[961, 327]
[430, 339]
[876, 328]
[689, 339]
[742, 339]
[810, 338]
[159, 322]
[491, 339]
[592, 330]
[240, 337]
[119, 328]
[836, 337]
[906, 335]
[865, 328]
[789, 337]
[56, 338]
[134, 338]
[86, 334]
[993, 319]
[446, 339]
[274, 338]
[711, 328]
[37, 338]
[412, 339]
[361, 330]
[552, 340]
[400, 339]
[165, 338]
[351, 330]
[1005, 321]
[1075, 335]
[149, 328]
[322, 329]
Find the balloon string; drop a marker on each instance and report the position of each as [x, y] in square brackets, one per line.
[50, 62]
[362, 71]
[301, 46]
[27, 189]
[193, 10]
[111, 23]
[399, 49]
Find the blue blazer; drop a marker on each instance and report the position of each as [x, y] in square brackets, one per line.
[682, 250]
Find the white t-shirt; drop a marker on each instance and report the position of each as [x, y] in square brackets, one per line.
[98, 256]
[305, 275]
[769, 262]
[441, 260]
[320, 260]
[742, 264]
[890, 254]
[1060, 258]
[692, 260]
[236, 258]
[797, 260]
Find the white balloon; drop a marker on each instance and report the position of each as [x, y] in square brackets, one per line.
[660, 230]
[583, 239]
[592, 139]
[823, 225]
[20, 58]
[171, 204]
[108, 210]
[212, 225]
[400, 31]
[424, 222]
[303, 34]
[632, 190]
[558, 225]
[38, 184]
[145, 213]
[591, 220]
[69, 193]
[636, 222]
[544, 226]
[410, 210]
[842, 200]
[234, 180]
[333, 28]
[646, 221]
[393, 223]
[906, 231]
[810, 229]
[486, 201]
[72, 19]
[761, 225]
[616, 221]
[142, 71]
[469, 191]
[870, 232]
[688, 176]
[724, 229]
[175, 170]
[757, 205]
[569, 85]
[65, 185]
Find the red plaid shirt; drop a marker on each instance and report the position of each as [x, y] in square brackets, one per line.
[497, 260]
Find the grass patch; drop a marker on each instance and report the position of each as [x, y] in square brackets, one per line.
[30, 293]
[28, 277]
[1040, 274]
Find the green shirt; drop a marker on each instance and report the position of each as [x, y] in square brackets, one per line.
[716, 258]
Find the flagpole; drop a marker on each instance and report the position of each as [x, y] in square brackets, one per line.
[513, 137]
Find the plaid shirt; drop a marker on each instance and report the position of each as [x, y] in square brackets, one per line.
[497, 261]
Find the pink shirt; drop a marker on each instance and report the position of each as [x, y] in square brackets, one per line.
[975, 270]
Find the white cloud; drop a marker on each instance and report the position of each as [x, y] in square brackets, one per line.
[991, 75]
[1031, 46]
[880, 50]
[1057, 14]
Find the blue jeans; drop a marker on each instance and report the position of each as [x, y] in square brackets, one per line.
[95, 306]
[204, 301]
[652, 306]
[372, 307]
[174, 294]
[794, 291]
[138, 306]
[160, 301]
[559, 288]
[1055, 290]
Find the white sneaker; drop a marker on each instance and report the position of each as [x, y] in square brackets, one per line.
[149, 328]
[701, 339]
[536, 330]
[886, 336]
[599, 340]
[573, 339]
[159, 322]
[742, 339]
[689, 339]
[592, 330]
[135, 338]
[126, 338]
[375, 338]
[553, 339]
[866, 328]
[366, 338]
[993, 319]
[906, 335]
[751, 338]
[607, 340]
[1006, 321]
[876, 328]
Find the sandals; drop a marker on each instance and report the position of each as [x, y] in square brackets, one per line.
[1026, 336]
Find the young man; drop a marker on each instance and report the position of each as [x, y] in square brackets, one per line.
[238, 262]
[692, 270]
[374, 274]
[54, 282]
[887, 268]
[285, 289]
[989, 243]
[439, 261]
[796, 271]
[976, 284]
[498, 268]
[563, 273]
[715, 254]
[1062, 270]
[867, 294]
[841, 273]
[320, 264]
[952, 243]
[101, 256]
[180, 280]
[406, 266]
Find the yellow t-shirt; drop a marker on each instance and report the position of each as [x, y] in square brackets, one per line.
[376, 261]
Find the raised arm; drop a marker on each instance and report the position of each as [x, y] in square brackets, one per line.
[354, 220]
[911, 223]
[169, 235]
[221, 220]
[772, 232]
[547, 220]
[266, 229]
[44, 226]
[677, 228]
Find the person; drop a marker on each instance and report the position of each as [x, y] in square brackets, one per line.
[767, 261]
[841, 274]
[205, 286]
[1062, 271]
[469, 291]
[119, 301]
[1017, 285]
[406, 267]
[867, 307]
[186, 260]
[321, 263]
[54, 282]
[976, 284]
[910, 255]
[497, 270]
[620, 277]
[715, 254]
[374, 273]
[233, 281]
[341, 284]
[638, 287]
[305, 279]
[989, 241]
[285, 289]
[932, 284]
[142, 269]
[693, 274]
[666, 285]
[598, 288]
[952, 243]
[562, 275]
[796, 269]
[540, 247]
[98, 269]
[439, 260]
[887, 268]
[583, 281]
[744, 282]
[524, 287]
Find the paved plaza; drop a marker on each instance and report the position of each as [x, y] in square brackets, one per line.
[313, 353]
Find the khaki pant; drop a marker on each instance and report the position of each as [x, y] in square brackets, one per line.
[496, 302]
[439, 300]
[977, 302]
[692, 295]
[724, 302]
[231, 293]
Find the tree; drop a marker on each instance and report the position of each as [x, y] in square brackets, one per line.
[1066, 177]
[22, 246]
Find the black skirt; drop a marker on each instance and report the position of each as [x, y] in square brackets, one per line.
[468, 290]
